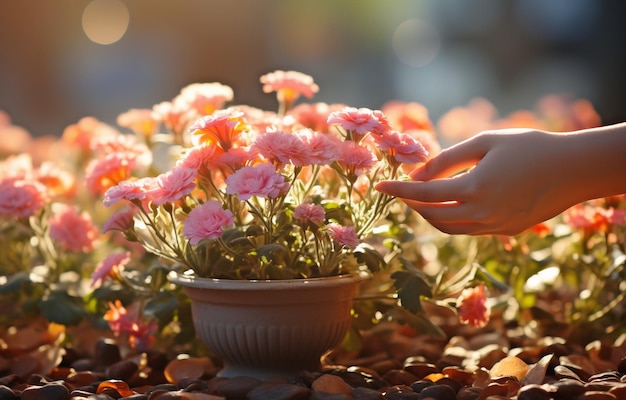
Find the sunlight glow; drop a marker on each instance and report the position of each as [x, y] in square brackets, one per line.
[416, 42]
[105, 21]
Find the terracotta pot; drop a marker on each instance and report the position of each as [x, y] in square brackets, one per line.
[274, 327]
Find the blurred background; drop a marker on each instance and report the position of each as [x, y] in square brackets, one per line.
[61, 60]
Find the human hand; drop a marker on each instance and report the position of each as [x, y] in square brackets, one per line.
[497, 182]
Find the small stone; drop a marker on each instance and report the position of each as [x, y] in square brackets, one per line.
[363, 393]
[568, 388]
[469, 393]
[107, 352]
[178, 395]
[461, 375]
[83, 364]
[7, 394]
[50, 391]
[621, 366]
[119, 386]
[359, 377]
[331, 384]
[495, 389]
[399, 377]
[122, 370]
[81, 378]
[453, 383]
[400, 392]
[510, 366]
[420, 385]
[279, 391]
[595, 395]
[191, 367]
[420, 369]
[330, 396]
[535, 392]
[236, 387]
[167, 387]
[438, 392]
[561, 371]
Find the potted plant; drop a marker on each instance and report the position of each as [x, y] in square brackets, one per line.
[258, 201]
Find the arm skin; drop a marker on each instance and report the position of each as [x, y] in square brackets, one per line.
[505, 181]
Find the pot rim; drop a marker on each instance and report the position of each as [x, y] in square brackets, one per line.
[190, 280]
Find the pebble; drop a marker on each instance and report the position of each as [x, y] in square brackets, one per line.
[236, 387]
[331, 384]
[400, 392]
[547, 369]
[50, 391]
[438, 392]
[7, 394]
[363, 393]
[279, 391]
[510, 366]
[107, 352]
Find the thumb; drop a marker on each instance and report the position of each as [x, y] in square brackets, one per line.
[452, 160]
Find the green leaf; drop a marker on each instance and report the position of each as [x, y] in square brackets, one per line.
[15, 283]
[420, 321]
[62, 308]
[162, 307]
[273, 254]
[158, 274]
[370, 257]
[411, 286]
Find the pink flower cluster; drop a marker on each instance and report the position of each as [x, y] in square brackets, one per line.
[242, 165]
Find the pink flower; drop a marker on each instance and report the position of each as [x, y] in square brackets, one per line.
[120, 221]
[140, 121]
[58, 181]
[472, 306]
[108, 171]
[19, 166]
[205, 98]
[344, 235]
[20, 198]
[199, 157]
[258, 180]
[129, 190]
[323, 149]
[360, 120]
[309, 213]
[110, 266]
[408, 116]
[402, 147]
[281, 147]
[74, 231]
[222, 128]
[289, 85]
[356, 159]
[314, 116]
[172, 114]
[173, 185]
[207, 222]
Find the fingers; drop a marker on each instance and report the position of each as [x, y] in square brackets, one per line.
[437, 191]
[453, 159]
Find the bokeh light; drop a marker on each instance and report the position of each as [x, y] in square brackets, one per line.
[416, 42]
[105, 21]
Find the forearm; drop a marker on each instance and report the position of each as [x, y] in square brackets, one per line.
[597, 158]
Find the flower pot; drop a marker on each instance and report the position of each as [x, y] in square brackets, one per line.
[273, 327]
